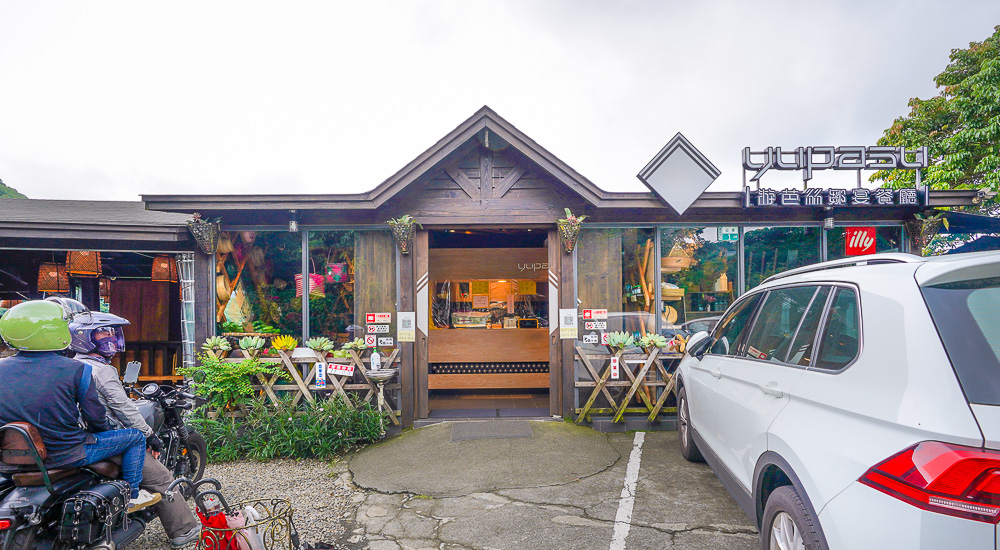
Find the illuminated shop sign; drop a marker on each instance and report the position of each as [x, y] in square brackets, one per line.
[808, 159]
[860, 196]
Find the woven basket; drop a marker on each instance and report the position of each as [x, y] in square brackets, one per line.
[403, 232]
[206, 234]
[223, 288]
[922, 231]
[569, 232]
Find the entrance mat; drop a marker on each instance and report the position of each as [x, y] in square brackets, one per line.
[534, 413]
[463, 413]
[501, 429]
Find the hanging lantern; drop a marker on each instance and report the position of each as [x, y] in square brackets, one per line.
[83, 263]
[104, 284]
[52, 277]
[164, 269]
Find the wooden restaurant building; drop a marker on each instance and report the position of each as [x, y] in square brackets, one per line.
[486, 274]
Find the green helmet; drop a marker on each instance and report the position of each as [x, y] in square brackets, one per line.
[37, 325]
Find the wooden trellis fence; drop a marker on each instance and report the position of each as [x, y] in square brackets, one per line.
[642, 381]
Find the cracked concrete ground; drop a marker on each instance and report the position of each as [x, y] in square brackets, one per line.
[559, 489]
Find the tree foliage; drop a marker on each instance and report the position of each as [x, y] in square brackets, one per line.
[960, 126]
[7, 192]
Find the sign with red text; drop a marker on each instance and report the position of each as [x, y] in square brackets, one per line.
[589, 314]
[378, 318]
[339, 369]
[859, 241]
[370, 340]
[614, 368]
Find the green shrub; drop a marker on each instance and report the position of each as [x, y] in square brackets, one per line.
[319, 430]
[227, 384]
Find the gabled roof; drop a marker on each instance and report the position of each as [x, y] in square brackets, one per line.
[488, 119]
[484, 118]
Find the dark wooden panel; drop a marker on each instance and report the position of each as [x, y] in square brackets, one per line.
[420, 249]
[374, 275]
[567, 300]
[407, 398]
[555, 345]
[488, 263]
[599, 271]
[523, 345]
[144, 304]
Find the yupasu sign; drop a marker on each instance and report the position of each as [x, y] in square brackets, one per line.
[808, 159]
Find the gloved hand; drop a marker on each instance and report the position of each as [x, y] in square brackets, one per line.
[154, 443]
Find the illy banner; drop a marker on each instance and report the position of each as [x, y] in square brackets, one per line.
[859, 241]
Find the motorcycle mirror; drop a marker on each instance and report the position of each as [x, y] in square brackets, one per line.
[198, 376]
[132, 372]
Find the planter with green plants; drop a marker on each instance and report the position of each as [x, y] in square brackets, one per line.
[924, 226]
[569, 230]
[403, 229]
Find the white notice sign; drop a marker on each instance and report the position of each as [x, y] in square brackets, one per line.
[406, 332]
[378, 329]
[604, 338]
[320, 375]
[480, 301]
[595, 325]
[567, 324]
[384, 341]
[339, 369]
[591, 338]
[370, 340]
[614, 368]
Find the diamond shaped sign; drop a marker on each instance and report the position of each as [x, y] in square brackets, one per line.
[679, 173]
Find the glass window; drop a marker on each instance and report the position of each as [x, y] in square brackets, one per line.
[727, 335]
[256, 283]
[801, 350]
[841, 335]
[697, 273]
[772, 334]
[967, 316]
[616, 271]
[887, 239]
[771, 250]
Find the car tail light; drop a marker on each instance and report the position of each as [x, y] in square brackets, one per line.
[939, 477]
[4, 524]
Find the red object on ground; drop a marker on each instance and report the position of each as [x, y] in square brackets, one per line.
[217, 539]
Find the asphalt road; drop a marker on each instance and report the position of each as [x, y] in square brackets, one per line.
[561, 486]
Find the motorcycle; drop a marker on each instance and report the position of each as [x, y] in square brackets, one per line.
[162, 407]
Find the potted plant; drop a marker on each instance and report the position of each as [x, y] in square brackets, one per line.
[569, 229]
[252, 345]
[321, 345]
[403, 229]
[206, 232]
[217, 346]
[924, 227]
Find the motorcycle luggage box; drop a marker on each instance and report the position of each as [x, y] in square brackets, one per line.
[40, 498]
[88, 515]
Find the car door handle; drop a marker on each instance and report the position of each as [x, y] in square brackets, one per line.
[716, 373]
[772, 388]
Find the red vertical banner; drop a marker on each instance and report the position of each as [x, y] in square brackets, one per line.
[859, 241]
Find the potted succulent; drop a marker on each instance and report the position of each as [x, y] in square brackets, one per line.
[252, 345]
[403, 229]
[569, 229]
[217, 346]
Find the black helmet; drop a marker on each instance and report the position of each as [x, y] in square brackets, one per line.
[92, 330]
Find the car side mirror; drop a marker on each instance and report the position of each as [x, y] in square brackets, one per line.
[132, 373]
[698, 344]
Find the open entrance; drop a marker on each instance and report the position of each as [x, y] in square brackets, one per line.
[488, 350]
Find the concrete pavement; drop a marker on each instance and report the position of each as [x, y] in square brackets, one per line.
[562, 487]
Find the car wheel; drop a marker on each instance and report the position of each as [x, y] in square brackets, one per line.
[788, 525]
[688, 448]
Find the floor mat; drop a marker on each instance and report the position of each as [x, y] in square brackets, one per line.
[534, 413]
[502, 429]
[463, 413]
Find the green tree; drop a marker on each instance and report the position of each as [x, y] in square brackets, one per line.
[960, 126]
[9, 192]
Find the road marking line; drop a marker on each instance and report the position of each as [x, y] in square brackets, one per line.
[623, 519]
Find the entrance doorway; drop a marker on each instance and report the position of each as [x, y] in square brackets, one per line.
[488, 346]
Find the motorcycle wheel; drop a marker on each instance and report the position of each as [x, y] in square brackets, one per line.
[197, 455]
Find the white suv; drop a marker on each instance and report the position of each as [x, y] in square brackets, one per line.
[856, 403]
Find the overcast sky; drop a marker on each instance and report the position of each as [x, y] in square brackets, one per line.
[109, 100]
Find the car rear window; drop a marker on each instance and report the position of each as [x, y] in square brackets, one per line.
[967, 317]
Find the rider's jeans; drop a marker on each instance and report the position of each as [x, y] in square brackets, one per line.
[130, 443]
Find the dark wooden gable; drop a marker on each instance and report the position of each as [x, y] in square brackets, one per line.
[514, 189]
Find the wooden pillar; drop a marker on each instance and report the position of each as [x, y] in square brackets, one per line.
[407, 391]
[204, 298]
[567, 300]
[422, 308]
[556, 397]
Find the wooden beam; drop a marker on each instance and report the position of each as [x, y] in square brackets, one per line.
[485, 174]
[462, 180]
[508, 181]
